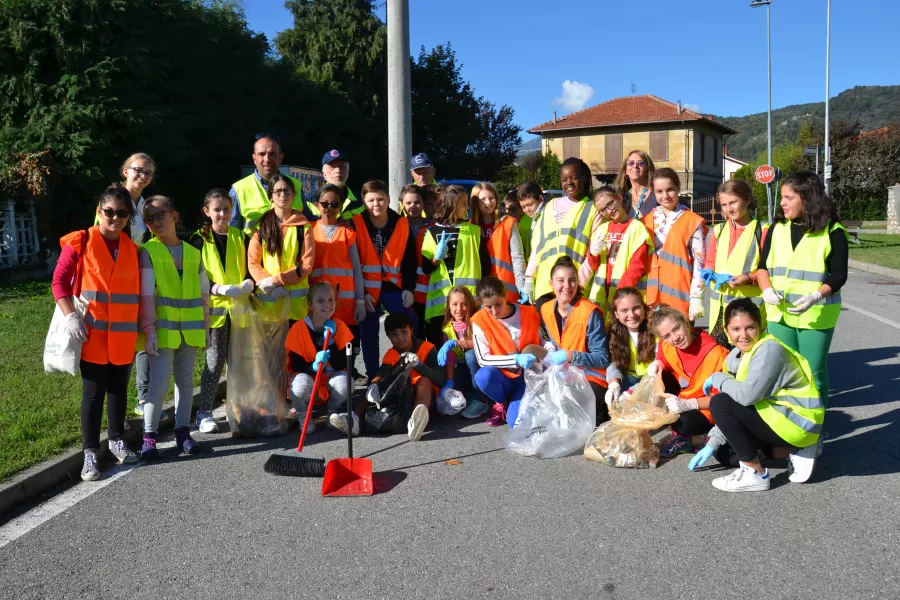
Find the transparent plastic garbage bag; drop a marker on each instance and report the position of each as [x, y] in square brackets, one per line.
[451, 402]
[257, 368]
[557, 414]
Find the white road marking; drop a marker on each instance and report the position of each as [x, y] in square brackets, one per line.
[863, 311]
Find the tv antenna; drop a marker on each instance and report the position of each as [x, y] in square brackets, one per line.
[633, 88]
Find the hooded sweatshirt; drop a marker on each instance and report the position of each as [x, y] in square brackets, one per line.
[304, 264]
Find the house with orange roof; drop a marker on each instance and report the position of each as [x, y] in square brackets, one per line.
[604, 134]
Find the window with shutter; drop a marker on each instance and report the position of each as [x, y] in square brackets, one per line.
[659, 145]
[702, 148]
[613, 152]
[571, 147]
[715, 152]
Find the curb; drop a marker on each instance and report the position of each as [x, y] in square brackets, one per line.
[45, 476]
[877, 269]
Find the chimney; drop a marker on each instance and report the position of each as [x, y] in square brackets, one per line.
[554, 117]
[679, 107]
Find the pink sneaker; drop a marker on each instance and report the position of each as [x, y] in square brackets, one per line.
[497, 416]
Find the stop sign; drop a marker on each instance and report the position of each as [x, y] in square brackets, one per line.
[765, 174]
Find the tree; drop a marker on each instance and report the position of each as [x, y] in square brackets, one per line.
[542, 169]
[787, 156]
[865, 164]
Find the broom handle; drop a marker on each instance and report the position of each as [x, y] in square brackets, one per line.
[312, 396]
[349, 404]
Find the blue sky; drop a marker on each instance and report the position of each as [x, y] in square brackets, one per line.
[710, 54]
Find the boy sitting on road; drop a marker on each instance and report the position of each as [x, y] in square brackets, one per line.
[404, 387]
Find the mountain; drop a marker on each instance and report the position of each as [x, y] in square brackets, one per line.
[871, 106]
[532, 145]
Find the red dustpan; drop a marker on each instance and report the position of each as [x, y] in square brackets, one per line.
[348, 476]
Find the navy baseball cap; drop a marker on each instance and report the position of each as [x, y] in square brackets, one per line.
[420, 160]
[332, 155]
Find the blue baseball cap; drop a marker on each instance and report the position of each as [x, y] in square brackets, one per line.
[331, 156]
[420, 160]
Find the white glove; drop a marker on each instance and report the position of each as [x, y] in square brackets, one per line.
[359, 313]
[280, 292]
[654, 368]
[528, 288]
[247, 286]
[771, 296]
[625, 397]
[410, 360]
[370, 303]
[75, 327]
[804, 303]
[612, 393]
[597, 244]
[266, 285]
[407, 298]
[231, 291]
[152, 344]
[695, 309]
[679, 405]
[373, 395]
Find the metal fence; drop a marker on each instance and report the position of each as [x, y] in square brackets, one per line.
[19, 243]
[705, 207]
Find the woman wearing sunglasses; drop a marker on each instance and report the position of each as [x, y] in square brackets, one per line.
[101, 266]
[633, 182]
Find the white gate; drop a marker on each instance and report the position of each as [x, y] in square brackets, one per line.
[19, 243]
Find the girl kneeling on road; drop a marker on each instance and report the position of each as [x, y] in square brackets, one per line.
[174, 315]
[686, 358]
[632, 346]
[501, 331]
[107, 277]
[767, 400]
[457, 353]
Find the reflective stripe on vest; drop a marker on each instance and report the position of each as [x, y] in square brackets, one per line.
[570, 237]
[466, 269]
[742, 260]
[333, 265]
[796, 415]
[112, 289]
[420, 293]
[574, 333]
[179, 308]
[635, 235]
[796, 272]
[290, 251]
[387, 268]
[498, 338]
[498, 248]
[671, 269]
[254, 200]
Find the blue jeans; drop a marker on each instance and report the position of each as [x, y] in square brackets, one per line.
[464, 375]
[369, 329]
[629, 381]
[502, 389]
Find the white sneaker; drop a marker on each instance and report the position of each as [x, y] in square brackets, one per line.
[417, 422]
[339, 422]
[90, 471]
[207, 424]
[802, 462]
[744, 479]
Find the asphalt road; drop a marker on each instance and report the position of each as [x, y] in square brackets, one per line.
[493, 525]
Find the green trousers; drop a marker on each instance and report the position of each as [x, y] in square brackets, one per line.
[813, 345]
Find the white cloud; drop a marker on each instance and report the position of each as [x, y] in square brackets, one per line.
[693, 107]
[575, 95]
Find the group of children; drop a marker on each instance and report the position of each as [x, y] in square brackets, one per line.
[473, 297]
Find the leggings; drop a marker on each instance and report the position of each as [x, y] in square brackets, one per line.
[691, 422]
[600, 397]
[216, 357]
[98, 381]
[813, 345]
[742, 426]
[142, 375]
[502, 390]
[181, 362]
[335, 382]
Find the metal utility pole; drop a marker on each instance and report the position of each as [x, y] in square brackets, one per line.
[399, 101]
[827, 100]
[756, 4]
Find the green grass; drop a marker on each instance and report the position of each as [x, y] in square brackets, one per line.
[877, 249]
[39, 412]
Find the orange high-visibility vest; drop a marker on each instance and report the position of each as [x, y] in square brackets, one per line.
[669, 277]
[299, 341]
[112, 289]
[501, 257]
[574, 333]
[392, 356]
[692, 384]
[420, 294]
[498, 337]
[332, 265]
[388, 267]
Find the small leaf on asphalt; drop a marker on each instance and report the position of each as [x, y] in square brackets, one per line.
[453, 461]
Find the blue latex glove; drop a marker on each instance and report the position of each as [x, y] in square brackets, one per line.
[447, 386]
[707, 385]
[444, 351]
[706, 275]
[330, 326]
[525, 360]
[524, 298]
[443, 244]
[720, 279]
[322, 357]
[700, 458]
[558, 357]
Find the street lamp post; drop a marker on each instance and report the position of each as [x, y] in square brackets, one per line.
[827, 99]
[399, 101]
[756, 4]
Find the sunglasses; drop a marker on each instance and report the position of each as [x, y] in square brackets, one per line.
[120, 213]
[330, 204]
[155, 218]
[638, 163]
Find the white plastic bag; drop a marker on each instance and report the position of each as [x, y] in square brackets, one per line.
[256, 402]
[557, 414]
[62, 352]
[451, 402]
